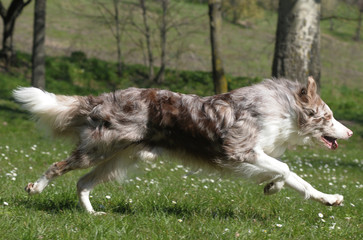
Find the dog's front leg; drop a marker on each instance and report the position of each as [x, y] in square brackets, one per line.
[277, 170]
[309, 192]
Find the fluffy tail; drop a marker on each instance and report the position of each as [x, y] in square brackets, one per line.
[55, 112]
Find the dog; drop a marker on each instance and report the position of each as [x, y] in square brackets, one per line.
[242, 132]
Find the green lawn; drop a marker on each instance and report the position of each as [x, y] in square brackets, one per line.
[163, 203]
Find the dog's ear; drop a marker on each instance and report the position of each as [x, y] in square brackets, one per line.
[311, 87]
[306, 94]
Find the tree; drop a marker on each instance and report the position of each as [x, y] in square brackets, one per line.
[117, 24]
[328, 11]
[236, 10]
[38, 56]
[215, 20]
[163, 31]
[160, 26]
[9, 17]
[147, 34]
[360, 17]
[297, 47]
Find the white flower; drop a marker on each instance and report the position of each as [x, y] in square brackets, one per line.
[351, 204]
[6, 204]
[279, 225]
[180, 220]
[320, 215]
[333, 226]
[108, 196]
[173, 202]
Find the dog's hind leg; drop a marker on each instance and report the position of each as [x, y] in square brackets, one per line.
[114, 168]
[55, 170]
[77, 160]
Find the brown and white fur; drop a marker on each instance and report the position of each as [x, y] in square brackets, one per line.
[242, 132]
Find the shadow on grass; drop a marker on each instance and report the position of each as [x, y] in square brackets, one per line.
[57, 204]
[50, 205]
[182, 211]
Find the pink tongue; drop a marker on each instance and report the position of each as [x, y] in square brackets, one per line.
[334, 145]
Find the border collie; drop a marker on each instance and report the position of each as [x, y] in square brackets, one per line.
[242, 132]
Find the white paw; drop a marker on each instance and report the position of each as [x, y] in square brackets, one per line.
[273, 187]
[97, 213]
[332, 199]
[31, 188]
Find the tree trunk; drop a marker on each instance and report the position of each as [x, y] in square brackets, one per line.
[359, 27]
[118, 37]
[147, 35]
[161, 74]
[215, 20]
[9, 17]
[7, 51]
[297, 48]
[38, 57]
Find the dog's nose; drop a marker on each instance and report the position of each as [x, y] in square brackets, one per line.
[350, 133]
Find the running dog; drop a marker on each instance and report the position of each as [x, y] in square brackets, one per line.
[242, 132]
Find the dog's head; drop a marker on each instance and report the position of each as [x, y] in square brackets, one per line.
[315, 119]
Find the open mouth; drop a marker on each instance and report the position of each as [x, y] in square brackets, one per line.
[330, 142]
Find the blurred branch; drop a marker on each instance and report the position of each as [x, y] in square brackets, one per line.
[338, 18]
